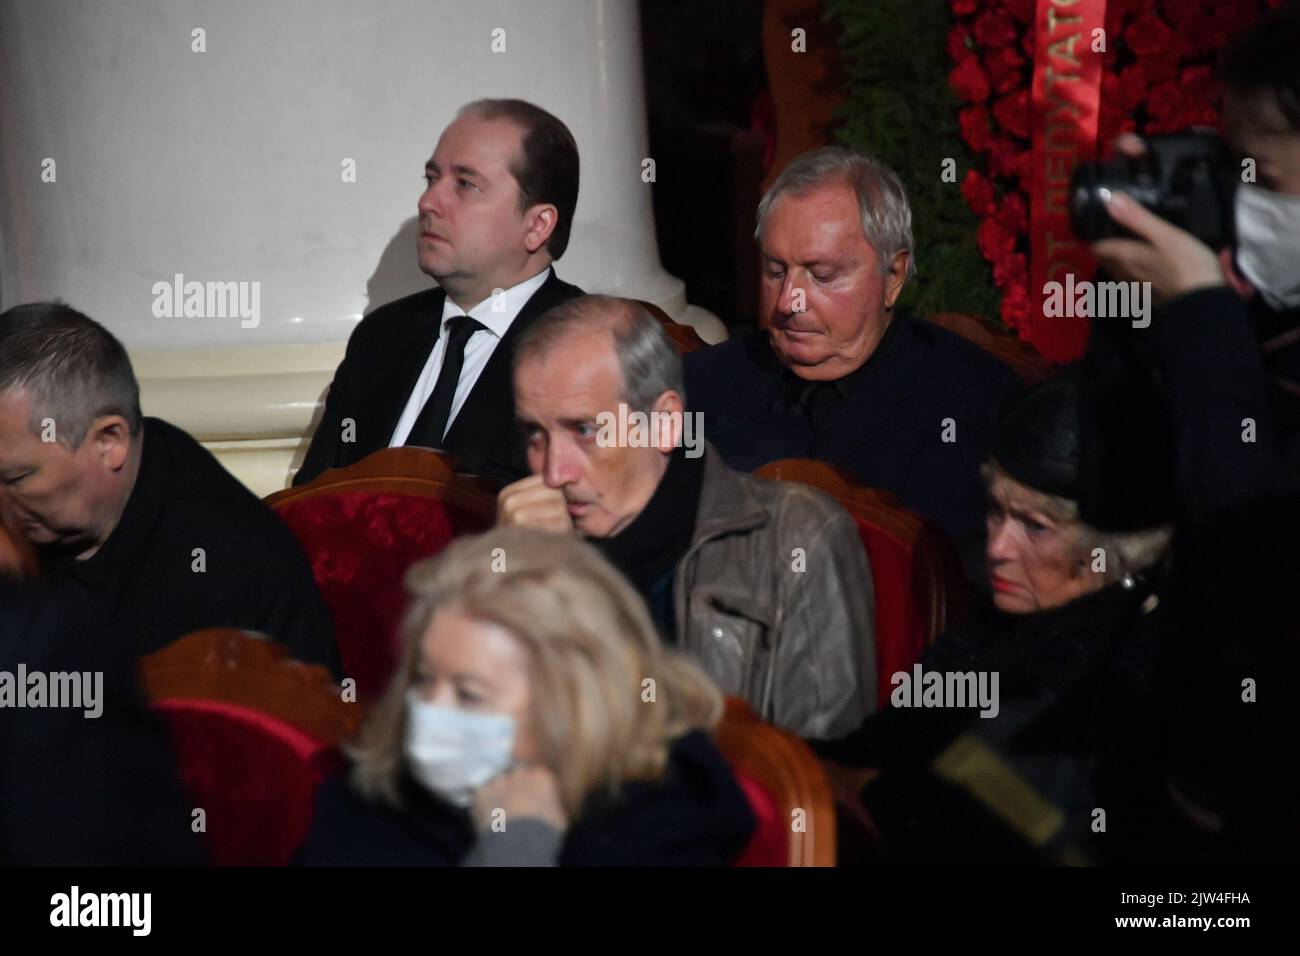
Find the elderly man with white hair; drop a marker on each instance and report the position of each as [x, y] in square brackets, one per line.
[836, 370]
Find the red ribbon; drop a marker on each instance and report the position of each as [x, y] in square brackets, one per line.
[1066, 102]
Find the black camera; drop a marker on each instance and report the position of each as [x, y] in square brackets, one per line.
[1182, 177]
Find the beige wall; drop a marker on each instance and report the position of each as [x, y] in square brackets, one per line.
[251, 407]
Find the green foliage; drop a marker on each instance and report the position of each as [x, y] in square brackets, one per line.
[900, 109]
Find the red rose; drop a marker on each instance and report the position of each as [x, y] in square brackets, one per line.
[958, 43]
[1198, 85]
[995, 28]
[964, 8]
[1116, 14]
[1133, 85]
[994, 242]
[1027, 43]
[1022, 10]
[978, 192]
[974, 122]
[1015, 307]
[1013, 214]
[969, 81]
[1012, 113]
[1148, 35]
[1006, 69]
[1166, 108]
[1185, 14]
[1010, 270]
[1006, 157]
[1161, 69]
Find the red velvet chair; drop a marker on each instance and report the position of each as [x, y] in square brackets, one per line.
[363, 526]
[914, 568]
[254, 733]
[787, 790]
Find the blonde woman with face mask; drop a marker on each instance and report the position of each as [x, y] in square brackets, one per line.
[535, 718]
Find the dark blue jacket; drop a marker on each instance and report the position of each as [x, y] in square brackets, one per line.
[890, 430]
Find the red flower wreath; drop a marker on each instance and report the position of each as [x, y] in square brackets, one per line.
[1157, 77]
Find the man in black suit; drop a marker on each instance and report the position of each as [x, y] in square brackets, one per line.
[836, 372]
[433, 369]
[132, 512]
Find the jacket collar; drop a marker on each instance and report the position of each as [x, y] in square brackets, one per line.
[415, 338]
[727, 504]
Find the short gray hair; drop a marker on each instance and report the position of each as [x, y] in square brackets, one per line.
[882, 200]
[646, 356]
[1127, 552]
[73, 367]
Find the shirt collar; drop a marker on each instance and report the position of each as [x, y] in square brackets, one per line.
[508, 305]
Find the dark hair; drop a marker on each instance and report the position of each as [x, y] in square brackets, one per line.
[547, 172]
[74, 368]
[1266, 59]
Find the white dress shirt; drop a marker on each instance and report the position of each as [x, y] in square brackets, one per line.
[496, 312]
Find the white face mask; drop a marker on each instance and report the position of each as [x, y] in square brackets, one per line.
[1268, 244]
[453, 752]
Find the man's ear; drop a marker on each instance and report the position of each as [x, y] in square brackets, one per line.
[669, 408]
[542, 220]
[896, 277]
[110, 440]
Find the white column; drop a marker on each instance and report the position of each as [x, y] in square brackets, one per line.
[227, 165]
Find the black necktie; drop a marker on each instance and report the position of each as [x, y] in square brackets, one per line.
[427, 432]
[815, 402]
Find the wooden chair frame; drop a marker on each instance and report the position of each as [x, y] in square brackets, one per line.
[783, 765]
[408, 471]
[250, 670]
[937, 583]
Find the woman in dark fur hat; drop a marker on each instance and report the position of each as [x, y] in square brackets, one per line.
[1026, 735]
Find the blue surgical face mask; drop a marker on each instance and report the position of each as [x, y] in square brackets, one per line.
[1268, 244]
[454, 752]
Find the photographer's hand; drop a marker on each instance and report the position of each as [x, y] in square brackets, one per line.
[1172, 260]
